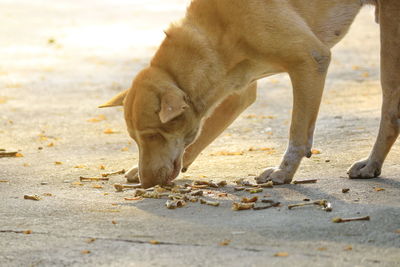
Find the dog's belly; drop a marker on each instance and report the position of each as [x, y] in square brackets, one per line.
[329, 20]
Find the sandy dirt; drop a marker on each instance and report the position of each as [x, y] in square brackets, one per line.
[61, 59]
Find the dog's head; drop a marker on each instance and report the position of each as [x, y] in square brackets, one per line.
[161, 121]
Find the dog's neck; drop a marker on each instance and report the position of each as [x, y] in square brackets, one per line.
[191, 60]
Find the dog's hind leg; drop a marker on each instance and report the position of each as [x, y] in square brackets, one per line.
[220, 119]
[390, 80]
[308, 75]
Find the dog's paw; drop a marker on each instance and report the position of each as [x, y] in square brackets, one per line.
[276, 175]
[364, 169]
[132, 176]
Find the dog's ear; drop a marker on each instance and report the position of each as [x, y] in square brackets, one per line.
[172, 104]
[117, 100]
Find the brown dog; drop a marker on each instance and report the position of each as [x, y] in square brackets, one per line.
[204, 75]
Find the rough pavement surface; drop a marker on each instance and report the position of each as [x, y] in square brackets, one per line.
[61, 59]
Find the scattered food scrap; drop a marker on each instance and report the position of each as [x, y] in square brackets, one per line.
[121, 187]
[9, 154]
[58, 163]
[312, 181]
[154, 242]
[210, 203]
[93, 179]
[114, 173]
[242, 206]
[348, 248]
[341, 220]
[323, 203]
[85, 252]
[32, 197]
[173, 204]
[249, 200]
[133, 198]
[272, 205]
[269, 184]
[254, 190]
[27, 232]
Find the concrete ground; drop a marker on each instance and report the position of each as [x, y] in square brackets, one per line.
[60, 59]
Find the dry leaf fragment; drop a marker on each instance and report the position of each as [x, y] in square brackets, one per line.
[97, 186]
[32, 197]
[315, 151]
[345, 190]
[77, 184]
[109, 131]
[379, 189]
[124, 149]
[154, 242]
[397, 231]
[90, 240]
[27, 232]
[97, 119]
[47, 194]
[3, 100]
[225, 242]
[227, 153]
[19, 155]
[348, 248]
[85, 252]
[50, 144]
[4, 181]
[58, 163]
[102, 167]
[80, 166]
[281, 254]
[114, 222]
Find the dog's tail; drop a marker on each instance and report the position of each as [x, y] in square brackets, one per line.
[117, 100]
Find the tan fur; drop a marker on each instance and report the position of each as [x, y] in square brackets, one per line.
[205, 70]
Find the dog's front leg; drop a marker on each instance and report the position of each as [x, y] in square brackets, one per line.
[223, 115]
[308, 79]
[390, 80]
